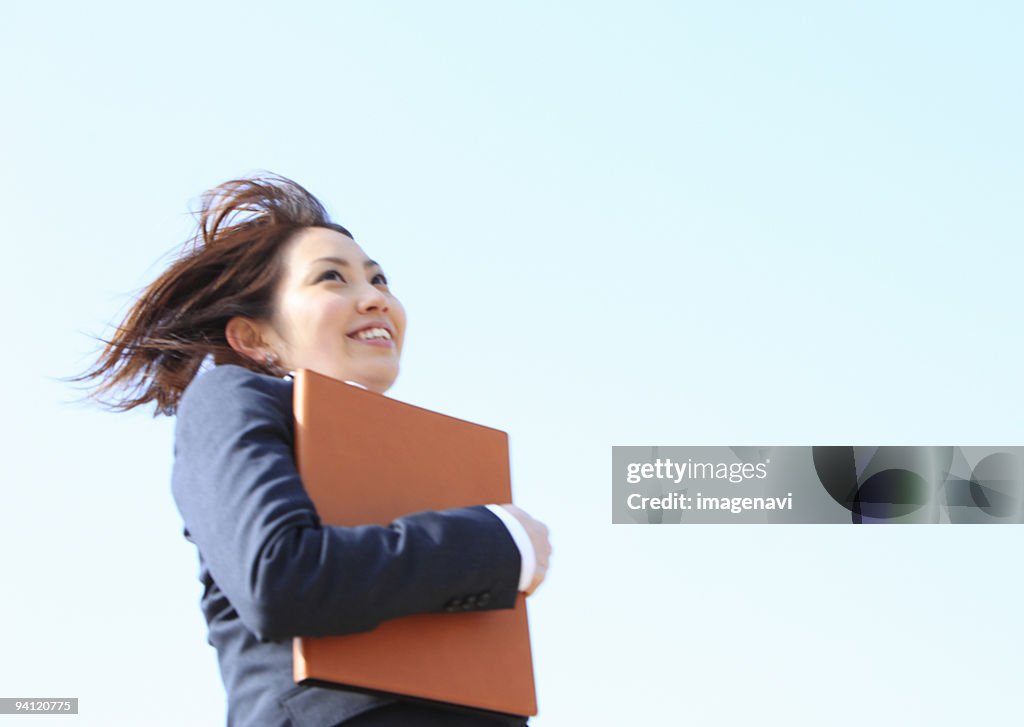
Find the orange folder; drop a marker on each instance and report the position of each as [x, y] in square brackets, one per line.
[357, 453]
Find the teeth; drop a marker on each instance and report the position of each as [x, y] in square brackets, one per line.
[371, 333]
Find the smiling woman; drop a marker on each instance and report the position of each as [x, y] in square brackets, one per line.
[269, 285]
[231, 267]
[334, 314]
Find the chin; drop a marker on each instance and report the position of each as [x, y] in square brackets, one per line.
[378, 381]
[381, 386]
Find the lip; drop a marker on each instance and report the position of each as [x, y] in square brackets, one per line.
[380, 343]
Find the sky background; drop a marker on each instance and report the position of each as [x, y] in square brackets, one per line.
[647, 224]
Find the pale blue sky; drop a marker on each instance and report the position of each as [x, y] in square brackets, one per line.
[653, 223]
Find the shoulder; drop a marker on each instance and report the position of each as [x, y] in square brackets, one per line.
[229, 391]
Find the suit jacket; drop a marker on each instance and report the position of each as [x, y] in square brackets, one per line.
[271, 571]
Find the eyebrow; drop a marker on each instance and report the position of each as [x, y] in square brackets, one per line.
[345, 263]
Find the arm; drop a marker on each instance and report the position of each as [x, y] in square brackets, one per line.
[285, 573]
[527, 556]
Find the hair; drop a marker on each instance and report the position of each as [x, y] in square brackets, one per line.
[230, 267]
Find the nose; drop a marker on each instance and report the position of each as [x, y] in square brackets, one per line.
[370, 299]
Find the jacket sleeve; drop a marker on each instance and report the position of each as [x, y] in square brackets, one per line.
[243, 504]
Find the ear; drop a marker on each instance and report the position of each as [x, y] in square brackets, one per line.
[245, 336]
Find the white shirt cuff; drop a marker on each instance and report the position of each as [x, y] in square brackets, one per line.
[523, 542]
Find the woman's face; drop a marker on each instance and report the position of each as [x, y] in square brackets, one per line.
[335, 314]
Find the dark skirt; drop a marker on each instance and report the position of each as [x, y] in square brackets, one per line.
[415, 715]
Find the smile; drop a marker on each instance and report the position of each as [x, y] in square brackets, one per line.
[374, 336]
[370, 334]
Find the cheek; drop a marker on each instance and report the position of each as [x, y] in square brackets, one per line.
[315, 323]
[329, 322]
[398, 316]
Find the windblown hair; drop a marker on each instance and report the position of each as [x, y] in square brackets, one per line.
[230, 267]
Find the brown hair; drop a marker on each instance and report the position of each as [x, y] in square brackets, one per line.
[230, 267]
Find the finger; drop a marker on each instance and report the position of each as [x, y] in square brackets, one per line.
[539, 575]
[543, 547]
[542, 558]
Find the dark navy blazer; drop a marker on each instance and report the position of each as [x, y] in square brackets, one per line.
[271, 571]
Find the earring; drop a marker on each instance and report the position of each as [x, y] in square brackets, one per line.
[273, 364]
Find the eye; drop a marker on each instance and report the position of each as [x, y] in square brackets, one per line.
[331, 275]
[379, 279]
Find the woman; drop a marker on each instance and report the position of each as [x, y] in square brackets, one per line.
[270, 285]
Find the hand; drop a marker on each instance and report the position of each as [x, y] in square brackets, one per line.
[538, 533]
